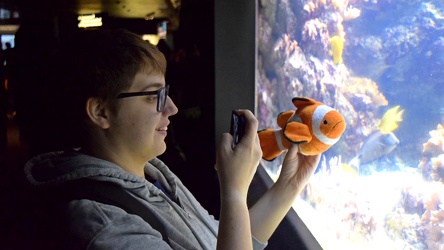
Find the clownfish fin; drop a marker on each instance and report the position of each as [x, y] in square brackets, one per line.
[301, 102]
[297, 132]
[283, 118]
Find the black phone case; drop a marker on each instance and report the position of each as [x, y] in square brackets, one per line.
[237, 128]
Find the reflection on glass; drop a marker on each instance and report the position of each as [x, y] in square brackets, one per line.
[381, 65]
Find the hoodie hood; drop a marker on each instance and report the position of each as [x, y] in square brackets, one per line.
[56, 168]
[53, 169]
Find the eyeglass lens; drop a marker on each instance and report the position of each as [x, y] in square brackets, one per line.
[161, 99]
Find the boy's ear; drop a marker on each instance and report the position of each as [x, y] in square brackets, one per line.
[97, 112]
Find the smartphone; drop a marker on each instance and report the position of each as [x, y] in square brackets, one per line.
[237, 128]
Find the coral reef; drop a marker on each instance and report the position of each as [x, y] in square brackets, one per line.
[418, 218]
[432, 162]
[353, 210]
[398, 43]
[403, 212]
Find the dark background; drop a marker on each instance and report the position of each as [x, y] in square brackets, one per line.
[190, 53]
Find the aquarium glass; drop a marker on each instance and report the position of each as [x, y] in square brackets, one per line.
[380, 64]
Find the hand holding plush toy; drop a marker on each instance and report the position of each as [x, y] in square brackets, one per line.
[314, 126]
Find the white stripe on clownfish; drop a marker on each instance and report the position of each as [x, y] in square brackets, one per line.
[277, 133]
[317, 119]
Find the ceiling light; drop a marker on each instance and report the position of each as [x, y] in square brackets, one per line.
[86, 21]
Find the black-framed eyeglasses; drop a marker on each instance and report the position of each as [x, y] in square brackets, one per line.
[161, 93]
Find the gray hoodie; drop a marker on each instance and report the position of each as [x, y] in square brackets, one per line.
[87, 224]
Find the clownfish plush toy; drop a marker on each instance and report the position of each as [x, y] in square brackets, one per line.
[314, 127]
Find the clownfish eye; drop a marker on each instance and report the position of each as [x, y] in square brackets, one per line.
[325, 122]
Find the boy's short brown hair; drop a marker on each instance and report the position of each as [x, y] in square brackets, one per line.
[97, 63]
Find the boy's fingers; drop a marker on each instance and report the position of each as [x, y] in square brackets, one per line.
[251, 123]
[225, 141]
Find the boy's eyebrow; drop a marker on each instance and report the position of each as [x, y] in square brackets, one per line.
[154, 85]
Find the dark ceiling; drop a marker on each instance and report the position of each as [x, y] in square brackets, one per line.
[129, 9]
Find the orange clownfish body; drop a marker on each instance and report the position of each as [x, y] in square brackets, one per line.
[314, 127]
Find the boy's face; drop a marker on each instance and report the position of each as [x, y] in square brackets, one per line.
[137, 128]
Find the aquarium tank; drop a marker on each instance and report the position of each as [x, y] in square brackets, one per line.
[379, 63]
